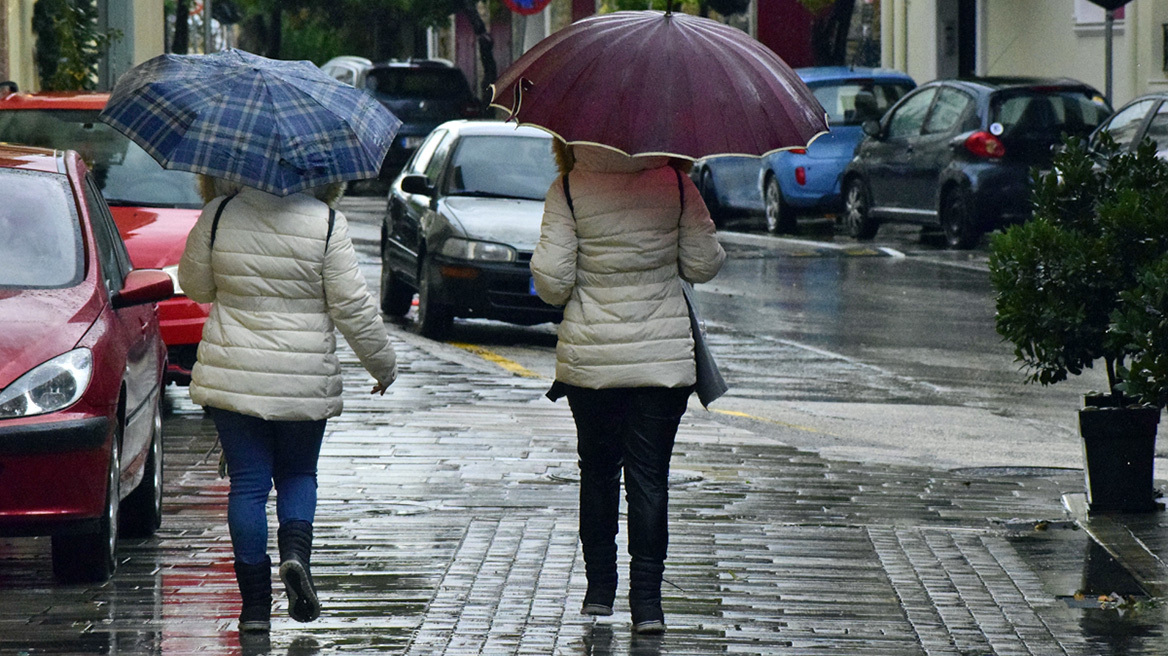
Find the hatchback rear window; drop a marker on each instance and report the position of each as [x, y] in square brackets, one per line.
[423, 83]
[1048, 114]
[40, 234]
[839, 100]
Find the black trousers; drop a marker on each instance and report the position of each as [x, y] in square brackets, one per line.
[629, 429]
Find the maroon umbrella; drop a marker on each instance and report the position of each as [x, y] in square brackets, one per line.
[647, 82]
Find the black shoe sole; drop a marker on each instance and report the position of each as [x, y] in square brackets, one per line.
[303, 605]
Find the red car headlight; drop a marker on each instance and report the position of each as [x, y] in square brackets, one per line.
[48, 387]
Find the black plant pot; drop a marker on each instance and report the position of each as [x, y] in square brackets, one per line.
[1119, 446]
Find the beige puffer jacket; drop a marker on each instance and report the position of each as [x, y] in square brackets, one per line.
[268, 347]
[617, 267]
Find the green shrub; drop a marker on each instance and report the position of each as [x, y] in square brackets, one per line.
[1074, 285]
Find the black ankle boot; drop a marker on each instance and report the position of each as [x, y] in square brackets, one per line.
[295, 542]
[599, 597]
[255, 590]
[645, 599]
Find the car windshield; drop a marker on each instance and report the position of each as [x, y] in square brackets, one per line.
[839, 99]
[502, 167]
[40, 235]
[1047, 114]
[420, 83]
[126, 174]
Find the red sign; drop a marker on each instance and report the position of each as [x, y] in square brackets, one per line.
[526, 7]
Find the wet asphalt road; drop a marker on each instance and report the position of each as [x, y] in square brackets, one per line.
[882, 351]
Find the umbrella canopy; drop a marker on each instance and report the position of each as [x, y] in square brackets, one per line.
[279, 126]
[648, 82]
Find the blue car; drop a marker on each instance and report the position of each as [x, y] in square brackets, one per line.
[786, 183]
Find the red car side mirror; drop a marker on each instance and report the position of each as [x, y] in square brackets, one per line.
[144, 286]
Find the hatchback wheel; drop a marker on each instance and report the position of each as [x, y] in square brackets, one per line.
[957, 220]
[780, 217]
[856, 217]
[90, 557]
[142, 509]
[434, 318]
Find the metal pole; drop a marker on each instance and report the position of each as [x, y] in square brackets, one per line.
[1109, 24]
[208, 38]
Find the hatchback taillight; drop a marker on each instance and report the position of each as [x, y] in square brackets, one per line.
[983, 144]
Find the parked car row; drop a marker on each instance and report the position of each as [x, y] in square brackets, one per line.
[953, 155]
[154, 208]
[803, 180]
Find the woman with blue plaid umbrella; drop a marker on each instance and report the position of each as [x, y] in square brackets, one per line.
[281, 273]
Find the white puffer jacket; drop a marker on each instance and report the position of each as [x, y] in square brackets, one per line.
[268, 347]
[617, 266]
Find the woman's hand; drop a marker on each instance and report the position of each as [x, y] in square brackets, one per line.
[380, 388]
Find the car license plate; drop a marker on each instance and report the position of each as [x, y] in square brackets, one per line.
[531, 287]
[412, 142]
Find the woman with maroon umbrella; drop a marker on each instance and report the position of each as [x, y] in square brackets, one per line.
[631, 96]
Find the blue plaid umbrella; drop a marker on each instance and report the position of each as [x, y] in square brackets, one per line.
[279, 126]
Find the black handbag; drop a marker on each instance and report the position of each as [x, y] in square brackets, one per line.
[710, 385]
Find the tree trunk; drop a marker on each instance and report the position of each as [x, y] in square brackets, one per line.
[275, 32]
[486, 45]
[181, 44]
[829, 34]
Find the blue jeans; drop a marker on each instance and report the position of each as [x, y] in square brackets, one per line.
[258, 452]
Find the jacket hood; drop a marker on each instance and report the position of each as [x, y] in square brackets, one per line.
[606, 160]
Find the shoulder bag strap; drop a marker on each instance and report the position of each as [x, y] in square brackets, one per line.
[568, 195]
[215, 221]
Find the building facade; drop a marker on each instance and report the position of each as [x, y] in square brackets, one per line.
[932, 39]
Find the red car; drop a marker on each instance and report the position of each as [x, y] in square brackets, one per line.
[81, 367]
[154, 208]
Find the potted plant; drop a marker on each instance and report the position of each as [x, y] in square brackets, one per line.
[1078, 284]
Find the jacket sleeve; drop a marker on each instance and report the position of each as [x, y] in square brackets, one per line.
[194, 268]
[553, 265]
[353, 309]
[700, 256]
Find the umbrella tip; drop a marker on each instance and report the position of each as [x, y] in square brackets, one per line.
[668, 7]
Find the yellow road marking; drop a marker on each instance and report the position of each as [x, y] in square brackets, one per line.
[490, 356]
[735, 413]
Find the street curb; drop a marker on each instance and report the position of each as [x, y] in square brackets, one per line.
[1121, 544]
[854, 250]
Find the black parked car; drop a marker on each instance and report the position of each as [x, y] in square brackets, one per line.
[957, 154]
[423, 94]
[462, 222]
[1145, 117]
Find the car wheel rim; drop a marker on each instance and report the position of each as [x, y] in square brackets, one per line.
[854, 208]
[773, 205]
[113, 500]
[156, 455]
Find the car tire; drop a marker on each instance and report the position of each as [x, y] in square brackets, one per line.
[710, 198]
[396, 297]
[434, 318]
[141, 512]
[91, 557]
[780, 217]
[957, 220]
[856, 216]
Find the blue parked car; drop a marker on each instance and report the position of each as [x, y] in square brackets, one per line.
[789, 182]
